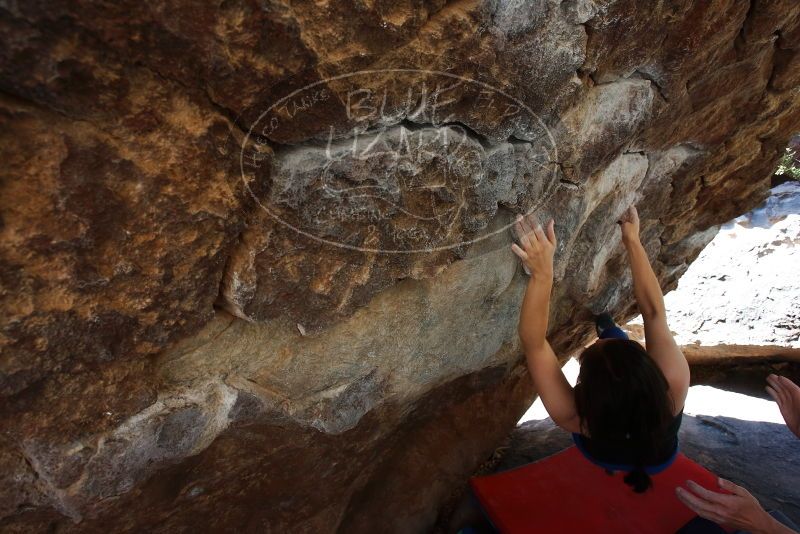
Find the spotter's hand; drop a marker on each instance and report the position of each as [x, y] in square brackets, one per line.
[787, 394]
[736, 508]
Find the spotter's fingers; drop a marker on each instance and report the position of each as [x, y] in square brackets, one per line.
[699, 505]
[788, 384]
[727, 485]
[772, 393]
[708, 495]
[777, 393]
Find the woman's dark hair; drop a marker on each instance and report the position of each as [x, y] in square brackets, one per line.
[622, 398]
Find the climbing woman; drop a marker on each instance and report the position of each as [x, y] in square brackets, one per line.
[626, 408]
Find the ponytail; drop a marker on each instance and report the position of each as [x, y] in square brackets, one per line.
[638, 479]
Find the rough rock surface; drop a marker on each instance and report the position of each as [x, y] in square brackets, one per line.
[724, 445]
[254, 269]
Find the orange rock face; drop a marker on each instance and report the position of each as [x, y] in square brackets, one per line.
[254, 264]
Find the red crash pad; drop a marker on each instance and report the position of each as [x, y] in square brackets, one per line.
[566, 493]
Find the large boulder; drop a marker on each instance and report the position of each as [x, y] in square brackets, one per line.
[255, 268]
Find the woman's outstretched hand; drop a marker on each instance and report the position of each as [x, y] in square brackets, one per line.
[787, 394]
[629, 223]
[537, 246]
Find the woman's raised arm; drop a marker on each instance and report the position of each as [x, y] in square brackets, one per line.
[536, 250]
[661, 346]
